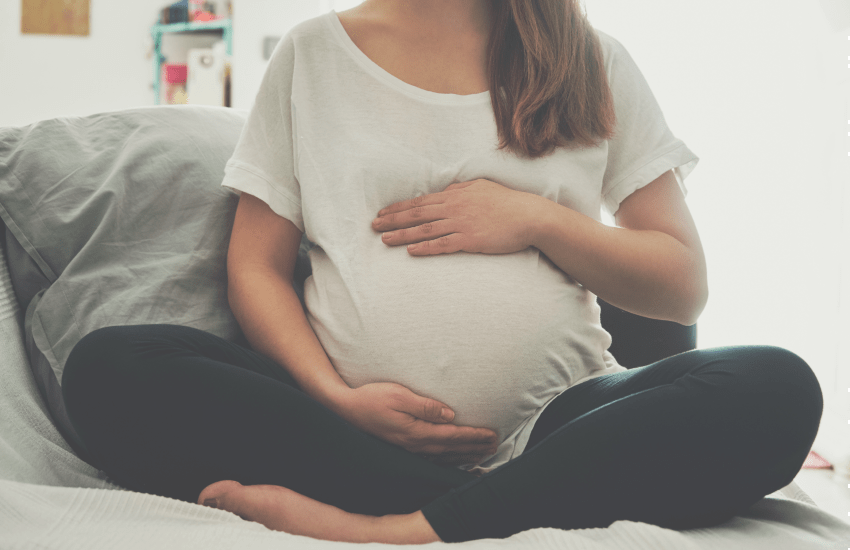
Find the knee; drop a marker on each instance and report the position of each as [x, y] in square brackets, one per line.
[767, 380]
[789, 385]
[792, 376]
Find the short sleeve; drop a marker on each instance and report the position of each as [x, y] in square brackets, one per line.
[643, 147]
[264, 161]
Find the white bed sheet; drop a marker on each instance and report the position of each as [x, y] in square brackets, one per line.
[50, 499]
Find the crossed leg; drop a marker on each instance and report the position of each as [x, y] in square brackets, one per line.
[686, 442]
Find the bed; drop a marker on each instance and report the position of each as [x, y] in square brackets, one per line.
[119, 218]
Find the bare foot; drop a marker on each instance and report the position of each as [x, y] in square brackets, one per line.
[283, 509]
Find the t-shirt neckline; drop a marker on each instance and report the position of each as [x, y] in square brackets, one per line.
[380, 73]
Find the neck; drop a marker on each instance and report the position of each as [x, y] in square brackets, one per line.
[435, 17]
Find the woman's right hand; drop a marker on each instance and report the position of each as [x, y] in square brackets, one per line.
[395, 414]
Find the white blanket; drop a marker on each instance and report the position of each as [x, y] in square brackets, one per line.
[51, 499]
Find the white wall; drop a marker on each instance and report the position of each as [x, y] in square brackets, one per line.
[253, 20]
[762, 97]
[760, 90]
[43, 76]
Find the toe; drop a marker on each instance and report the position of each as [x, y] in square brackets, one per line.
[213, 494]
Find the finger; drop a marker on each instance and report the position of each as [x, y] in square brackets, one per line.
[459, 185]
[426, 409]
[442, 434]
[477, 435]
[423, 200]
[446, 244]
[410, 217]
[426, 231]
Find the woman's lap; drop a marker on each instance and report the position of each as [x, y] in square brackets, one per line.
[689, 441]
[182, 422]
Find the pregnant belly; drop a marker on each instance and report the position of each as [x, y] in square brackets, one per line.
[491, 336]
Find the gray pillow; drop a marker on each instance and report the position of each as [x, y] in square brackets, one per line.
[119, 218]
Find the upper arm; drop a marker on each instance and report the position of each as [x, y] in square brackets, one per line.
[261, 239]
[660, 206]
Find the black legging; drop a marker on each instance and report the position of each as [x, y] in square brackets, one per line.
[686, 442]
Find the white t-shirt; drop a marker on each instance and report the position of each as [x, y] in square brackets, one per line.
[333, 138]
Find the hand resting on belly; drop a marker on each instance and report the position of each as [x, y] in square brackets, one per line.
[395, 414]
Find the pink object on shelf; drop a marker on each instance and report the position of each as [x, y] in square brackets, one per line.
[175, 73]
[174, 83]
[203, 16]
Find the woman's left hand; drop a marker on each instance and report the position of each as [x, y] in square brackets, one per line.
[473, 216]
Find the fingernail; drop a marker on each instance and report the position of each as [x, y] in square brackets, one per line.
[446, 414]
[211, 502]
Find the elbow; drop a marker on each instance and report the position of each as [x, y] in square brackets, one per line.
[694, 305]
[695, 294]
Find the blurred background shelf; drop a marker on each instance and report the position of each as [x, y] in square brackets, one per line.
[225, 26]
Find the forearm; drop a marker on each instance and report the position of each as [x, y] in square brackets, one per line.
[270, 314]
[648, 273]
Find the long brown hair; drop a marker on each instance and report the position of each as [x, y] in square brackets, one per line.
[546, 59]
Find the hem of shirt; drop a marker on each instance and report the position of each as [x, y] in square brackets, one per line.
[521, 440]
[679, 158]
[258, 186]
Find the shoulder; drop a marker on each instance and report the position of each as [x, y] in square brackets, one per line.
[311, 29]
[624, 75]
[605, 39]
[306, 39]
[316, 32]
[613, 51]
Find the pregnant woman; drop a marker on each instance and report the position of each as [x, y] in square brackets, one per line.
[449, 378]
